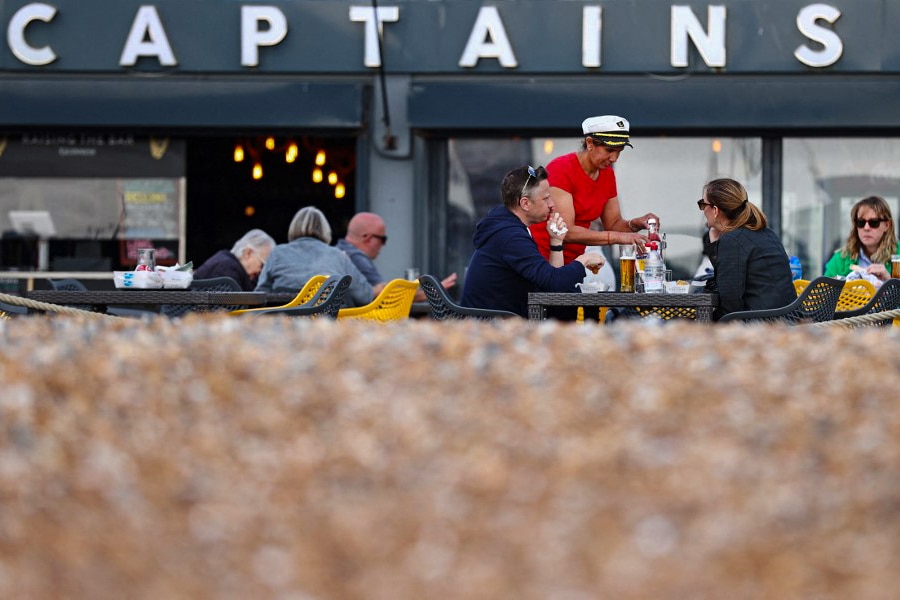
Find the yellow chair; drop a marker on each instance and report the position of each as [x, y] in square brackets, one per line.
[392, 304]
[855, 294]
[600, 319]
[303, 296]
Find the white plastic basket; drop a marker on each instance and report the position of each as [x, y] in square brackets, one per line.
[137, 280]
[176, 280]
[674, 287]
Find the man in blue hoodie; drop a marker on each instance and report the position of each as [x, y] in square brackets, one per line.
[506, 264]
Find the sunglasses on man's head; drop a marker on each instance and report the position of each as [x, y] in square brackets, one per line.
[531, 173]
[873, 223]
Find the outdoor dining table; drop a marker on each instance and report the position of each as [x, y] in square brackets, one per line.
[698, 306]
[100, 300]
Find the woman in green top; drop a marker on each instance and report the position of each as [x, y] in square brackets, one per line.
[871, 242]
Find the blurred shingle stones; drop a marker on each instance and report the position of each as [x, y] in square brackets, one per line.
[291, 459]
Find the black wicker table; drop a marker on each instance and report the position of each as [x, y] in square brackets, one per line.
[101, 299]
[698, 307]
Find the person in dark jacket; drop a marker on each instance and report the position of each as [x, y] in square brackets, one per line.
[751, 266]
[242, 263]
[506, 264]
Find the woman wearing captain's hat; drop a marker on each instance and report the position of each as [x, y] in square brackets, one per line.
[583, 189]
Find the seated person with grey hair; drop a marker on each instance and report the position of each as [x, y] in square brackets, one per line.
[242, 263]
[307, 254]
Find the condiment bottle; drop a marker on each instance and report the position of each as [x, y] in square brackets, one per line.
[654, 235]
[654, 270]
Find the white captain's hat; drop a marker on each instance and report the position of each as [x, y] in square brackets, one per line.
[609, 130]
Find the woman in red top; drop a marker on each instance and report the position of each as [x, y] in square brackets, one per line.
[583, 188]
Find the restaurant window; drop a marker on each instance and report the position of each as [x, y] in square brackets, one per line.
[87, 202]
[660, 175]
[823, 178]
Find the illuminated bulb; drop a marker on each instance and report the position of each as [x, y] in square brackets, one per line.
[332, 178]
[270, 143]
[317, 175]
[238, 153]
[291, 154]
[249, 210]
[548, 147]
[717, 146]
[257, 171]
[339, 191]
[320, 158]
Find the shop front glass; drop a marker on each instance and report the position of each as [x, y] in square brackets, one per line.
[823, 178]
[660, 175]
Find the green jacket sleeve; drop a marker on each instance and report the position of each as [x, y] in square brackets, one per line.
[838, 265]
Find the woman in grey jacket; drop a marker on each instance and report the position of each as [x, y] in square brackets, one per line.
[308, 253]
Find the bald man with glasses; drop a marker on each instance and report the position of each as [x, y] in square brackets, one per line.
[366, 236]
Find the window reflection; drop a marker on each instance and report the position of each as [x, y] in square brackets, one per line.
[823, 178]
[660, 175]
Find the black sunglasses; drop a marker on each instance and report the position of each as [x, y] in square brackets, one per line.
[701, 204]
[383, 238]
[531, 173]
[873, 223]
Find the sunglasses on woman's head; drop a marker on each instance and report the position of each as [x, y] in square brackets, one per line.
[873, 223]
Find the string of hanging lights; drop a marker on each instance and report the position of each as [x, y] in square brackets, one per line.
[253, 149]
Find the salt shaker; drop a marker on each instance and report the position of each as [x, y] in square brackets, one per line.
[146, 260]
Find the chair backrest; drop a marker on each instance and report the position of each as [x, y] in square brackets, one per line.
[886, 298]
[444, 308]
[303, 296]
[325, 303]
[213, 284]
[816, 303]
[392, 303]
[856, 294]
[8, 311]
[68, 285]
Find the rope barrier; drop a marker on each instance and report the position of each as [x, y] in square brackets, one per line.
[860, 320]
[49, 307]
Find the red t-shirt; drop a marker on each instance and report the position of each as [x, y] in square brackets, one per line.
[589, 198]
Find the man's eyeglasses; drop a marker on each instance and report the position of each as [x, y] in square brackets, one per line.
[873, 223]
[531, 174]
[383, 238]
[701, 203]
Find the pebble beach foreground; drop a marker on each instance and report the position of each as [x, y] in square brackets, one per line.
[299, 460]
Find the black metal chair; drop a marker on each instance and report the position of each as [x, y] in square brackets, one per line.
[444, 308]
[8, 311]
[815, 304]
[214, 284]
[326, 302]
[886, 298]
[70, 285]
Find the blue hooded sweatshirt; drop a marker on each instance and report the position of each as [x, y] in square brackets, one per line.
[507, 265]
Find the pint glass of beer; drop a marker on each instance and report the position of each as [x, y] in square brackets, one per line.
[626, 266]
[895, 265]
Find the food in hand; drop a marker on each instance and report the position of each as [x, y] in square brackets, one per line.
[594, 269]
[557, 230]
